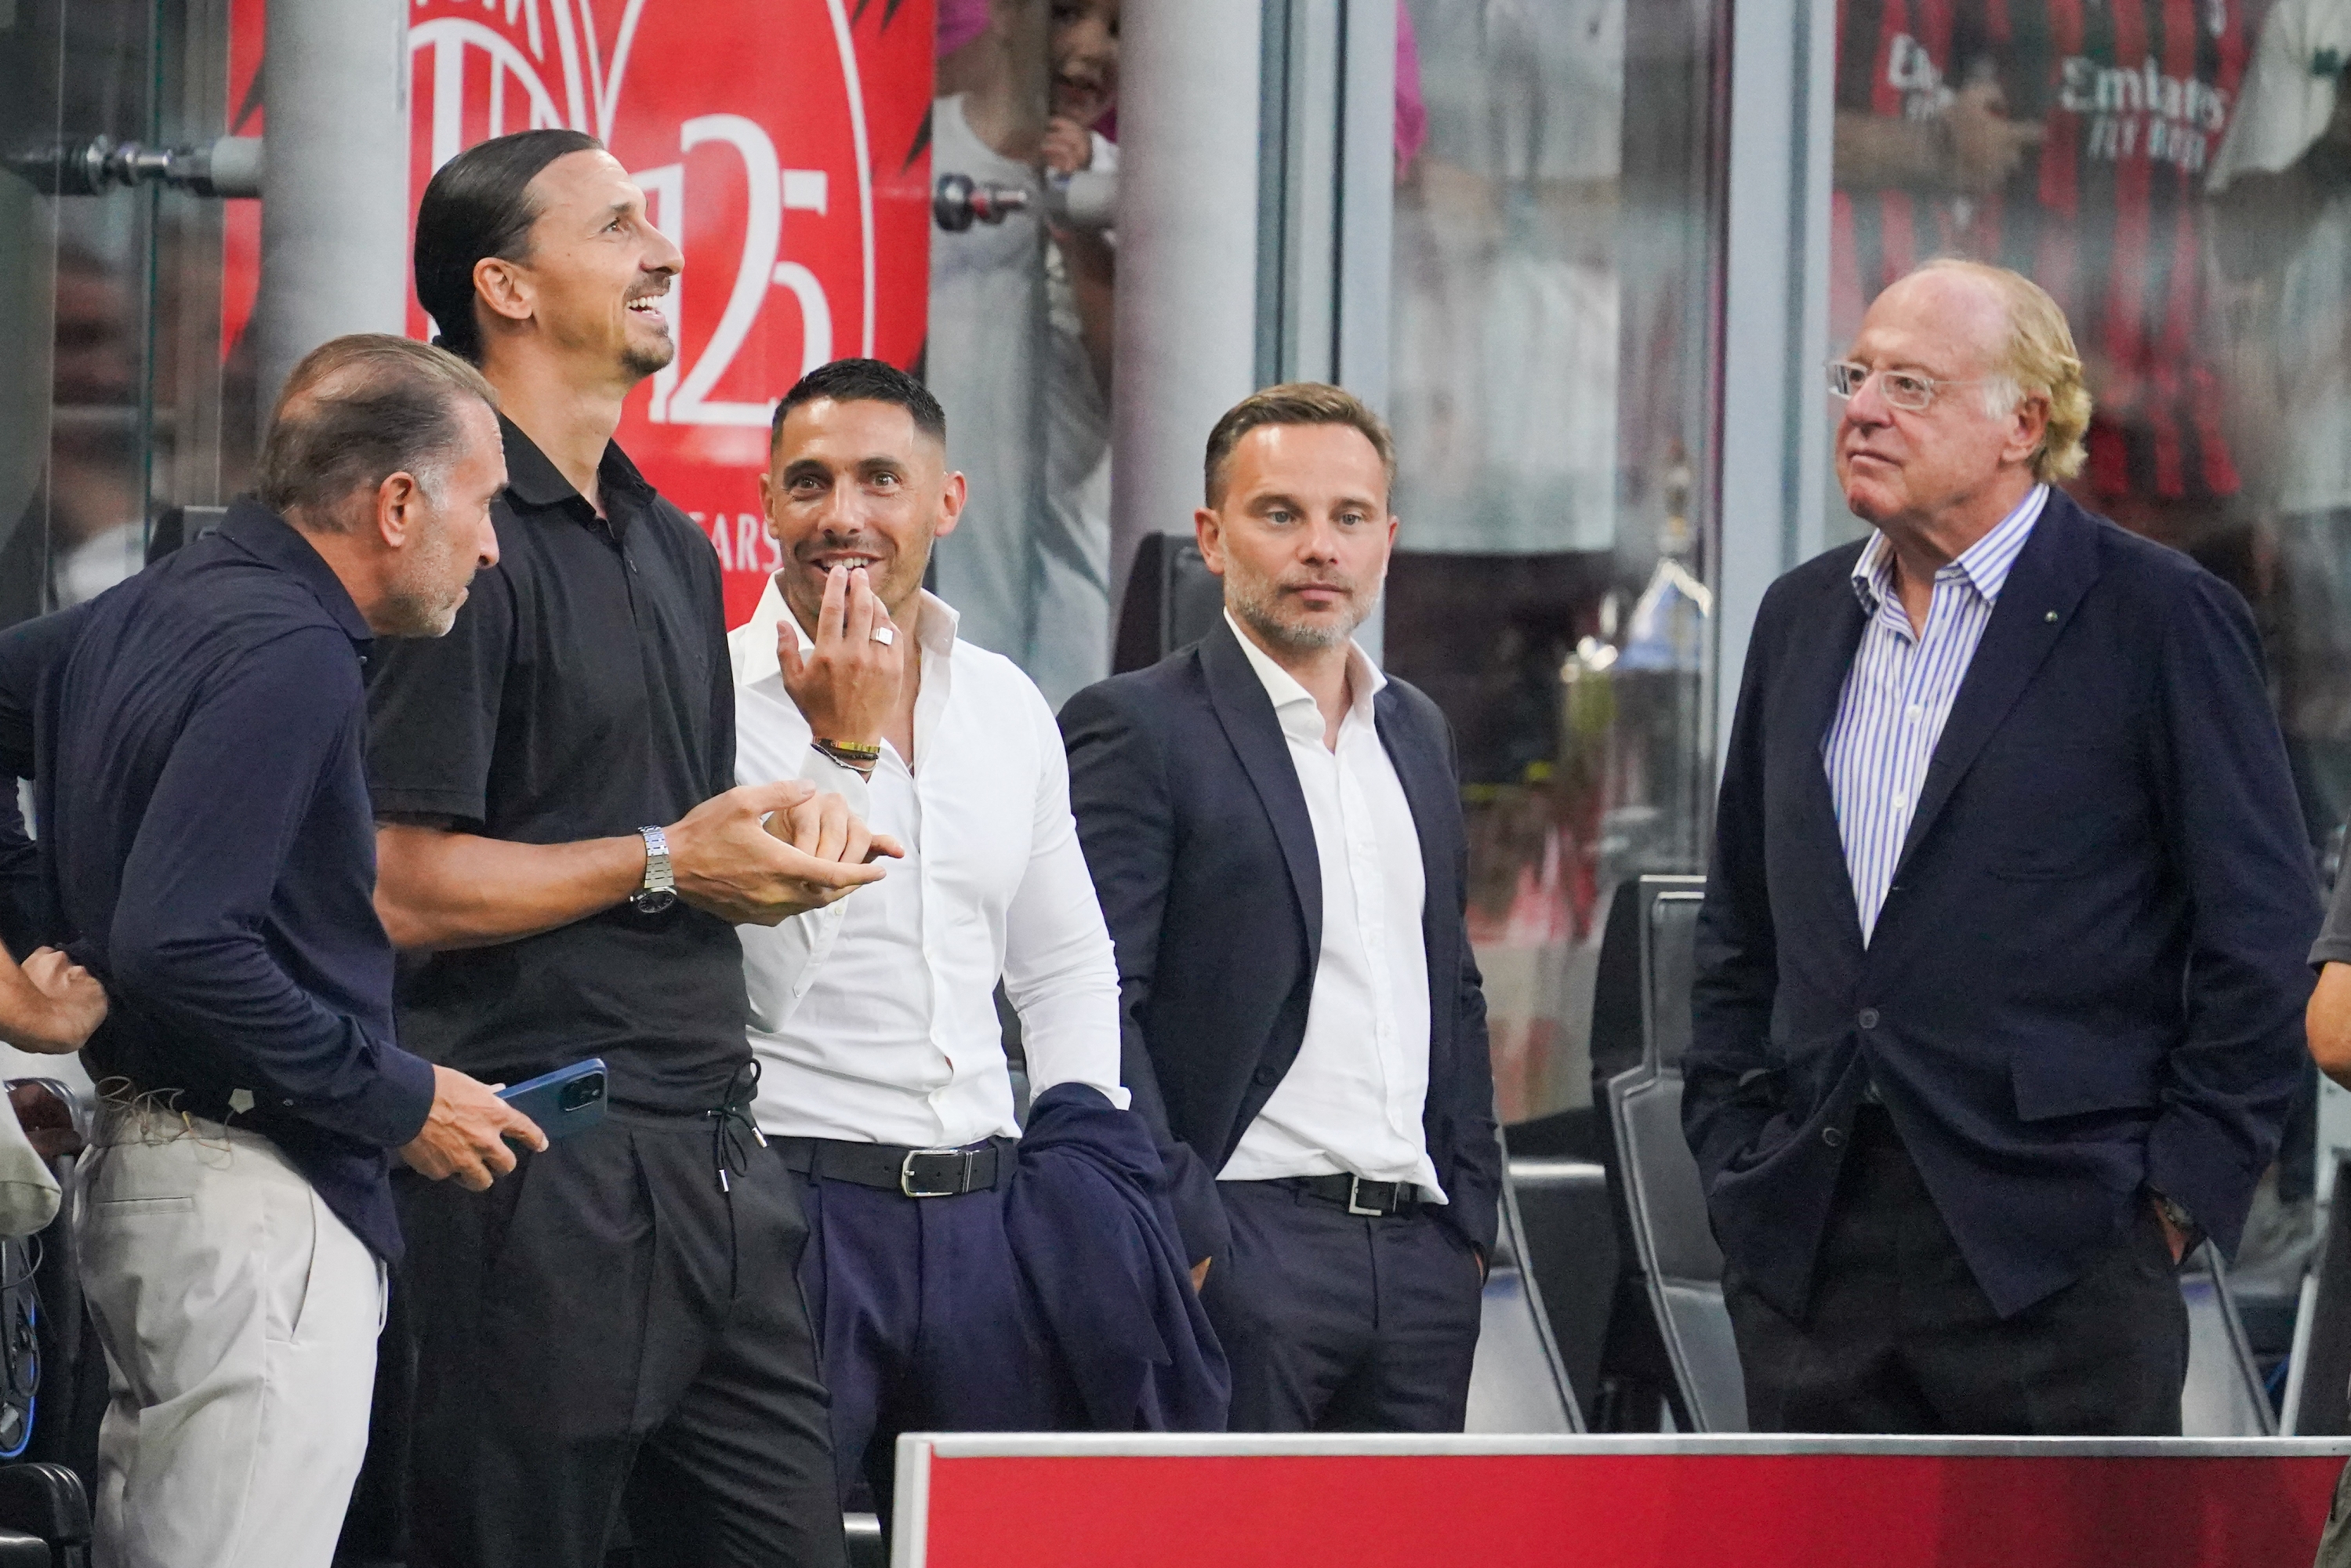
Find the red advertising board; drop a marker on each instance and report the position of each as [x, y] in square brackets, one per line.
[782, 144]
[1007, 1501]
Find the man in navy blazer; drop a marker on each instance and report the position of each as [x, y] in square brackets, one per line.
[1999, 970]
[1274, 829]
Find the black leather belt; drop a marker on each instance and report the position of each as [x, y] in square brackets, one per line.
[1378, 1199]
[893, 1168]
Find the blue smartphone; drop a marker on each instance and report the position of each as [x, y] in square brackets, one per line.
[567, 1101]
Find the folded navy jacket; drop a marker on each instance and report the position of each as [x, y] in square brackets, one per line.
[1091, 1223]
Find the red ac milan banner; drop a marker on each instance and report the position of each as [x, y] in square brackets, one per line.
[781, 143]
[1080, 1502]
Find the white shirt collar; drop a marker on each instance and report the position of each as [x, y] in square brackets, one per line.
[1363, 682]
[935, 633]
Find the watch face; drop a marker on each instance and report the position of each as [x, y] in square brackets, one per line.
[653, 901]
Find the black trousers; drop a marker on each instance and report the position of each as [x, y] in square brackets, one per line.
[1899, 1338]
[1337, 1323]
[607, 1331]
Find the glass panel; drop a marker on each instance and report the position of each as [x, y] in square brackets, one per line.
[112, 407]
[1553, 294]
[1024, 129]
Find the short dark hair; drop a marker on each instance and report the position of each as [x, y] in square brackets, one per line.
[1295, 402]
[356, 411]
[478, 205]
[864, 380]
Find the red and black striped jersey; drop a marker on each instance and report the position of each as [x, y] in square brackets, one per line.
[2108, 213]
[1894, 61]
[2134, 97]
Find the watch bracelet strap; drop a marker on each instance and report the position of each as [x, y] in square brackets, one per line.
[658, 877]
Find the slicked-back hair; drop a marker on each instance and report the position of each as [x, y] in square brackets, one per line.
[357, 411]
[1293, 403]
[864, 380]
[479, 205]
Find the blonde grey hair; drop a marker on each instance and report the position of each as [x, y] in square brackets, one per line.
[2038, 359]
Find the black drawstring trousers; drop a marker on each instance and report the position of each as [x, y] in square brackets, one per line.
[616, 1332]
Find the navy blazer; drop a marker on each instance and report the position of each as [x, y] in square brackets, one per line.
[1196, 832]
[2088, 978]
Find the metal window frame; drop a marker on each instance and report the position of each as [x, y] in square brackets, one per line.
[1771, 473]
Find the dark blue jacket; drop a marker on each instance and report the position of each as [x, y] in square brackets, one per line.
[195, 736]
[2088, 978]
[1089, 1219]
[1197, 833]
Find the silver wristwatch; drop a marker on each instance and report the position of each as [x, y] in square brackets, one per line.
[660, 890]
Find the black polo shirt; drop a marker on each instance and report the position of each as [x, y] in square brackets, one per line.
[195, 740]
[584, 693]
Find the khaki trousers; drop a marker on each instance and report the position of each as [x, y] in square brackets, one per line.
[239, 1318]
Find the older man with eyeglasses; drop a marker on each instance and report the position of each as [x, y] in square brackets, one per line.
[2000, 970]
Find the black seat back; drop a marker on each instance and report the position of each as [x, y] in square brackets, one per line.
[1676, 1264]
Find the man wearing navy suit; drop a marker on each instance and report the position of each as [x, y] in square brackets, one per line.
[1274, 830]
[1999, 971]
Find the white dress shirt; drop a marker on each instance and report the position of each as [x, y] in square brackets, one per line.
[1351, 1102]
[874, 1018]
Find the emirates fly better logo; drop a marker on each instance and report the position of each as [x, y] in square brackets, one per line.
[2144, 113]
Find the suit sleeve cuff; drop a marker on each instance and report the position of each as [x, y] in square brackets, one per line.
[2201, 1169]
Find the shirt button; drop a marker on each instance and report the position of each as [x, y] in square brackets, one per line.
[1897, 798]
[1868, 1018]
[1833, 1136]
[1917, 711]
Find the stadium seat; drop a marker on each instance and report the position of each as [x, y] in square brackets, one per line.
[1569, 1234]
[45, 1505]
[2224, 1396]
[1517, 1382]
[1675, 1261]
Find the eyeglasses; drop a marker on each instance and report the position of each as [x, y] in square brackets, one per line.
[1903, 389]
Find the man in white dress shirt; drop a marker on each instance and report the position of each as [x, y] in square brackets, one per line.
[1274, 827]
[885, 1082]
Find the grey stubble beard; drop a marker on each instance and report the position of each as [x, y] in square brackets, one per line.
[1255, 602]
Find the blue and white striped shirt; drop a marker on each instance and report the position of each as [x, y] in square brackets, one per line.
[1899, 692]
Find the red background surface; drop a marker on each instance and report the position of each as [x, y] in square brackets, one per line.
[1646, 1510]
[764, 80]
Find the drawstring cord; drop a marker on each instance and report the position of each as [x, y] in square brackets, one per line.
[731, 1121]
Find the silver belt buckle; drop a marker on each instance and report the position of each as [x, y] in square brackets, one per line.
[906, 1174]
[1355, 1186]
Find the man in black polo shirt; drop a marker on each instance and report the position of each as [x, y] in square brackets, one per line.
[620, 1326]
[194, 737]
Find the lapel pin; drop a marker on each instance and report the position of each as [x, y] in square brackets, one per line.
[2051, 615]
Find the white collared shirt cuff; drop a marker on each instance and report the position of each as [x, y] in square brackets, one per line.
[839, 779]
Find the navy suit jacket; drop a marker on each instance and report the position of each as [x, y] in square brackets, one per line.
[1198, 835]
[2088, 978]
